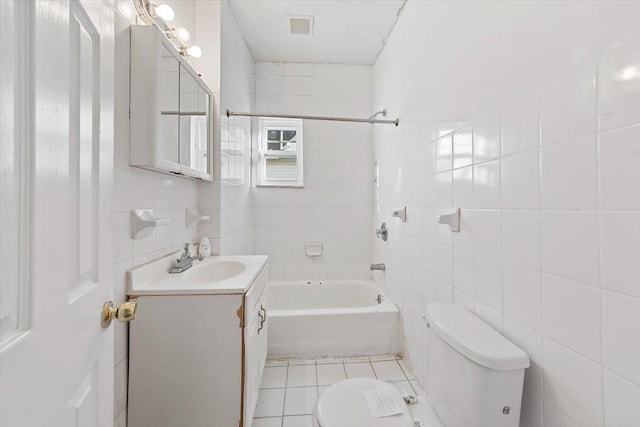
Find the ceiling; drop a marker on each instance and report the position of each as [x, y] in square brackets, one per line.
[345, 31]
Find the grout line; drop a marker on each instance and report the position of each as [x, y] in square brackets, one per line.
[540, 242]
[374, 371]
[402, 370]
[550, 403]
[599, 236]
[284, 401]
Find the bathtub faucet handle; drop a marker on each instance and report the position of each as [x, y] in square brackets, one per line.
[382, 232]
[380, 267]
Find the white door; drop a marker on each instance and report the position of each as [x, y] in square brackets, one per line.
[56, 164]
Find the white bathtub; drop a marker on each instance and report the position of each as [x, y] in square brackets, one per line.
[331, 318]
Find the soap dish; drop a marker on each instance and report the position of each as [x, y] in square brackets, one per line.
[313, 249]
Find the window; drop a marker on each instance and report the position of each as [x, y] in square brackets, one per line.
[280, 154]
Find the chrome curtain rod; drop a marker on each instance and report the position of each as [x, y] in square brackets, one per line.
[298, 116]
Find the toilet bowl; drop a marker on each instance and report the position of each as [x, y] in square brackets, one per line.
[474, 379]
[344, 405]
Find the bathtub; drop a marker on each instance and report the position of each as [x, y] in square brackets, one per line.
[331, 318]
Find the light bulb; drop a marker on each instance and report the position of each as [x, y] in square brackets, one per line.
[165, 12]
[194, 51]
[182, 34]
[629, 73]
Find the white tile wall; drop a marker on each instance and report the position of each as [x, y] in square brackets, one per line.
[534, 131]
[228, 200]
[621, 335]
[335, 205]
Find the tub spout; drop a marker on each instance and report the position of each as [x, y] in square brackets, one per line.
[380, 267]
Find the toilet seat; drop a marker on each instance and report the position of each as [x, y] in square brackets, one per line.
[343, 405]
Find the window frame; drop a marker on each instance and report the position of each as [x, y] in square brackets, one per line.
[264, 125]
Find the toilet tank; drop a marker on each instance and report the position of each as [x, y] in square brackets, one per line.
[474, 374]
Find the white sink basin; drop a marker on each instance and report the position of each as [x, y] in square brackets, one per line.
[213, 275]
[212, 270]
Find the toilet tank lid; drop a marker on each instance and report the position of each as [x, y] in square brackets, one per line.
[473, 338]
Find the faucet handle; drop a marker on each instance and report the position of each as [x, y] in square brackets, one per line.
[185, 252]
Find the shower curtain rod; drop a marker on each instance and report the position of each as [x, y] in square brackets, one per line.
[298, 116]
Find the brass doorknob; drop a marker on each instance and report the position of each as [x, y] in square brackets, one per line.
[125, 312]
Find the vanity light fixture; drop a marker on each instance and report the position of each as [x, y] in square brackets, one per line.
[153, 13]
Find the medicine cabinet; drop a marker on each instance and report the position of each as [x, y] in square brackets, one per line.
[170, 109]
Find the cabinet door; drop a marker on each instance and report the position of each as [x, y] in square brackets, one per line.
[167, 153]
[194, 126]
[263, 334]
[252, 371]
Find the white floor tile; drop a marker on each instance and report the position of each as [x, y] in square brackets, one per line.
[331, 374]
[270, 403]
[274, 377]
[359, 370]
[267, 422]
[388, 371]
[302, 376]
[416, 387]
[407, 371]
[300, 400]
[305, 380]
[297, 421]
[404, 387]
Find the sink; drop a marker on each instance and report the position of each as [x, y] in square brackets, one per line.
[213, 275]
[213, 271]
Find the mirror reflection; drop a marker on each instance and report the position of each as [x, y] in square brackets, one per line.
[169, 100]
[194, 106]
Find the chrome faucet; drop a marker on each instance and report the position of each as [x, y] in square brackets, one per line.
[185, 261]
[380, 267]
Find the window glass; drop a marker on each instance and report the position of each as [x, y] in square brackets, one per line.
[280, 152]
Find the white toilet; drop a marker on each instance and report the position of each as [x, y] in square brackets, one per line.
[474, 379]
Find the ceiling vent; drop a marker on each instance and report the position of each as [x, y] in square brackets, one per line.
[301, 25]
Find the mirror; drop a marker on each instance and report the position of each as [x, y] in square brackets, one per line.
[169, 127]
[169, 89]
[194, 125]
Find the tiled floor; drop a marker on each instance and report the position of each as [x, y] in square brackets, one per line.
[289, 389]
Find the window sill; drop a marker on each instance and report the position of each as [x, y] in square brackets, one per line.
[279, 186]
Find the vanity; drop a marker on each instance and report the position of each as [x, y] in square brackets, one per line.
[198, 345]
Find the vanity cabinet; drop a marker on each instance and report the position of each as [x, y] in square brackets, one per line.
[170, 109]
[197, 359]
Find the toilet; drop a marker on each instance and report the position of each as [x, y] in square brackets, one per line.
[474, 379]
